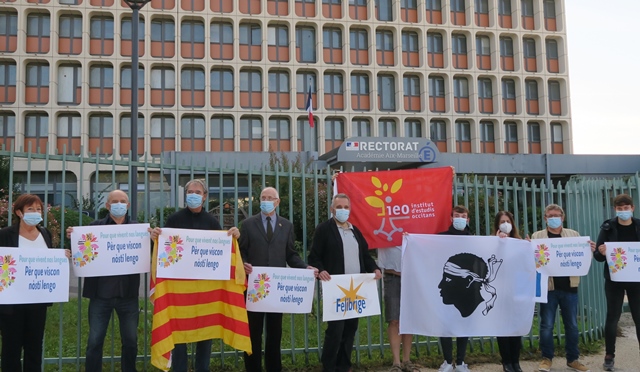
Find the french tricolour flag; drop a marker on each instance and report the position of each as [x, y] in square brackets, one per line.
[309, 108]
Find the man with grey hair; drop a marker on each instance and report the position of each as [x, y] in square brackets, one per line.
[194, 217]
[267, 239]
[563, 292]
[340, 248]
[109, 293]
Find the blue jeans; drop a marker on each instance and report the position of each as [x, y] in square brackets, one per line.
[180, 360]
[100, 311]
[568, 303]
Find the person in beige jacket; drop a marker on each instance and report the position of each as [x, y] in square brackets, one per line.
[563, 292]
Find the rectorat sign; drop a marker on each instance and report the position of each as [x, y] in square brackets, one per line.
[364, 149]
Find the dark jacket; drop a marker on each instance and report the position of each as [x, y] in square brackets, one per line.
[278, 252]
[609, 233]
[327, 252]
[119, 286]
[9, 237]
[453, 231]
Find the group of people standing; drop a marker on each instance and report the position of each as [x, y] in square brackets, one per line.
[267, 239]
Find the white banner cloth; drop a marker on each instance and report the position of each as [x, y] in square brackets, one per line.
[466, 286]
[194, 254]
[280, 290]
[30, 276]
[623, 259]
[562, 256]
[108, 250]
[350, 296]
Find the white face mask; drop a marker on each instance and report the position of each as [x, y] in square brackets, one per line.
[506, 227]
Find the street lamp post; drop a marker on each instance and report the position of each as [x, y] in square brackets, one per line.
[135, 6]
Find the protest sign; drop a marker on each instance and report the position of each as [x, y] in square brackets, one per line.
[194, 254]
[29, 276]
[280, 290]
[350, 296]
[109, 250]
[623, 259]
[562, 256]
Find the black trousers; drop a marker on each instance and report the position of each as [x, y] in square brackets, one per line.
[614, 292]
[447, 349]
[23, 330]
[510, 349]
[272, 359]
[338, 345]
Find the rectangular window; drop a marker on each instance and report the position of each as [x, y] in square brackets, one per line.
[484, 88]
[438, 134]
[527, 8]
[69, 126]
[387, 128]
[333, 91]
[510, 138]
[486, 131]
[504, 7]
[463, 131]
[550, 15]
[163, 78]
[387, 93]
[332, 44]
[192, 32]
[36, 126]
[102, 28]
[483, 52]
[164, 127]
[508, 89]
[279, 134]
[125, 78]
[459, 51]
[306, 44]
[125, 32]
[361, 128]
[7, 128]
[8, 24]
[38, 25]
[434, 50]
[384, 47]
[412, 128]
[436, 86]
[359, 46]
[556, 133]
[221, 127]
[70, 26]
[409, 42]
[250, 89]
[334, 133]
[163, 30]
[101, 134]
[192, 79]
[533, 131]
[37, 75]
[461, 87]
[222, 80]
[384, 10]
[69, 84]
[7, 82]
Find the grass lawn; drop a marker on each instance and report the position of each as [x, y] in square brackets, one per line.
[68, 337]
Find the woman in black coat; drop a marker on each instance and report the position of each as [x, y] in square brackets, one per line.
[22, 325]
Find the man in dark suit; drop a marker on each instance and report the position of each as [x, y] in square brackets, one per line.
[339, 248]
[266, 239]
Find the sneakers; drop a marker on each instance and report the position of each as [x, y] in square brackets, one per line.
[577, 366]
[446, 367]
[608, 363]
[462, 368]
[545, 365]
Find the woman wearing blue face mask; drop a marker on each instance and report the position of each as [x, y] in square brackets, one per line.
[23, 325]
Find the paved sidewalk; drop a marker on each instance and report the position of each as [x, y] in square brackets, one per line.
[627, 355]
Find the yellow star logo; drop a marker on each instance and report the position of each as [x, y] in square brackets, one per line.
[351, 294]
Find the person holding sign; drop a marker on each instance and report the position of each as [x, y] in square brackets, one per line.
[509, 347]
[339, 248]
[22, 325]
[195, 217]
[459, 226]
[266, 239]
[622, 228]
[109, 293]
[563, 292]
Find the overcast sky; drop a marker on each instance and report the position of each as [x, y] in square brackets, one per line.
[604, 72]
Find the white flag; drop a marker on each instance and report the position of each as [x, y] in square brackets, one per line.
[466, 286]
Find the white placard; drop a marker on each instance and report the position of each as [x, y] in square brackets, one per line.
[623, 259]
[350, 296]
[109, 250]
[280, 290]
[194, 254]
[29, 276]
[562, 256]
[455, 286]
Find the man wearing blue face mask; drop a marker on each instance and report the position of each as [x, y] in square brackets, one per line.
[622, 228]
[459, 226]
[339, 248]
[196, 217]
[563, 292]
[267, 239]
[109, 293]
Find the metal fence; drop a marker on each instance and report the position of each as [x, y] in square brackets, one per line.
[305, 194]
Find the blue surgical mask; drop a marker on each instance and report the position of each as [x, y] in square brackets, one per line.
[267, 206]
[554, 222]
[118, 209]
[342, 215]
[459, 223]
[194, 200]
[32, 218]
[624, 215]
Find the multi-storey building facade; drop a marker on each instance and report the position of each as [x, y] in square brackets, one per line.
[479, 76]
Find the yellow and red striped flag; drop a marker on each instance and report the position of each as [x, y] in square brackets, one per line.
[195, 310]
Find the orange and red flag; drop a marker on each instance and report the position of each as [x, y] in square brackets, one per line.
[384, 204]
[195, 310]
